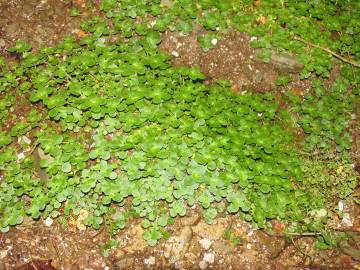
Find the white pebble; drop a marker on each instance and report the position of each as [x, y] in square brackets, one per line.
[21, 155]
[253, 38]
[175, 53]
[341, 206]
[48, 221]
[202, 265]
[248, 246]
[205, 243]
[209, 257]
[214, 41]
[150, 260]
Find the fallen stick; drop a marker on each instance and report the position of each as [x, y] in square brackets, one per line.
[355, 64]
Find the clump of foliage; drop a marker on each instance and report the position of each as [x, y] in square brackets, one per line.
[119, 127]
[324, 115]
[134, 127]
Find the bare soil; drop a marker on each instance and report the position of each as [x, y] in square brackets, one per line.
[193, 244]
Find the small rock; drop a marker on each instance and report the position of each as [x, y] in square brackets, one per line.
[205, 243]
[258, 77]
[178, 245]
[341, 206]
[125, 263]
[21, 156]
[150, 260]
[48, 221]
[202, 265]
[2, 42]
[4, 253]
[346, 221]
[214, 41]
[250, 232]
[283, 61]
[175, 53]
[209, 257]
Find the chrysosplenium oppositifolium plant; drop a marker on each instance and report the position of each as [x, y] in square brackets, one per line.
[121, 126]
[114, 126]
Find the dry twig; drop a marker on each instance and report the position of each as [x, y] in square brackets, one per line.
[355, 64]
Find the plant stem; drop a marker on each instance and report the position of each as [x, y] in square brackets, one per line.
[355, 64]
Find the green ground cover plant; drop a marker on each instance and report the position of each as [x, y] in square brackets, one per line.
[118, 132]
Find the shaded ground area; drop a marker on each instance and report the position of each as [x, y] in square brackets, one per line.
[228, 243]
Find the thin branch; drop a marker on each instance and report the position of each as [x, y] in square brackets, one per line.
[304, 234]
[355, 64]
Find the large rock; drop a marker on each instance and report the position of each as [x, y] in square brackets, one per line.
[177, 246]
[282, 61]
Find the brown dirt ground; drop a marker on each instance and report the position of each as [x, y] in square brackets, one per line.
[44, 23]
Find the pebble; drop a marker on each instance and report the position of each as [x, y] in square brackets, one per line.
[202, 265]
[209, 257]
[205, 243]
[4, 253]
[21, 155]
[214, 41]
[175, 53]
[341, 206]
[346, 221]
[48, 221]
[150, 260]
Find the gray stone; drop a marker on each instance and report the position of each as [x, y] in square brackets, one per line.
[284, 62]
